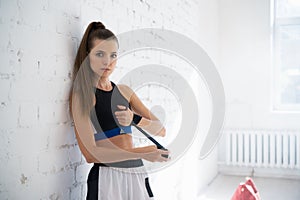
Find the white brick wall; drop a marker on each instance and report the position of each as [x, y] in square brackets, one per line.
[39, 156]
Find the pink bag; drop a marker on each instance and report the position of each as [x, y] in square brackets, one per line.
[246, 191]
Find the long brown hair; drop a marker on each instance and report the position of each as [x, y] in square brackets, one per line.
[83, 77]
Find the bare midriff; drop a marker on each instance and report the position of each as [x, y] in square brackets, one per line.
[123, 141]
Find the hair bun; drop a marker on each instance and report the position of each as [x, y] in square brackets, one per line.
[98, 25]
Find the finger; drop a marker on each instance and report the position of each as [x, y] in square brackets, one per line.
[119, 115]
[120, 120]
[164, 151]
[121, 107]
[163, 159]
[118, 112]
[122, 112]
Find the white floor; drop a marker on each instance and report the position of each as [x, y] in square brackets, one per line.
[223, 187]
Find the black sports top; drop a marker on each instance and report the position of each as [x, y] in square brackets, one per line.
[102, 114]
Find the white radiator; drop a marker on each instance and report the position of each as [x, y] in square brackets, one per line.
[275, 149]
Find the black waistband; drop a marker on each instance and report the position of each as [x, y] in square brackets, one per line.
[122, 164]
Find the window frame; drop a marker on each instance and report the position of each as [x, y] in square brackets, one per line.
[276, 23]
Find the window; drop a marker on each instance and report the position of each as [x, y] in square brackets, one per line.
[286, 55]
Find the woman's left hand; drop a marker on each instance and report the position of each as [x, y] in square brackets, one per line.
[124, 116]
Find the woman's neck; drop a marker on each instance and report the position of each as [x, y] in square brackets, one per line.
[104, 83]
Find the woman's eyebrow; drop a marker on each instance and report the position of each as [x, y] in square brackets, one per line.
[104, 51]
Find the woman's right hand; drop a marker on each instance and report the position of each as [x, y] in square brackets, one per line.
[152, 153]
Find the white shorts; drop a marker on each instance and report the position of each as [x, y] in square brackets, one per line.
[124, 184]
[118, 183]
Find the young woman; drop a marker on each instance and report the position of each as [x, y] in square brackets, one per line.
[103, 113]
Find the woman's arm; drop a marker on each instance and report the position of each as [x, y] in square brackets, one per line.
[85, 137]
[149, 121]
[94, 154]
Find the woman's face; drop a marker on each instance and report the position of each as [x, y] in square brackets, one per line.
[103, 57]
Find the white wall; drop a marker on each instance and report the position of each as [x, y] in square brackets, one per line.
[245, 60]
[39, 155]
[246, 69]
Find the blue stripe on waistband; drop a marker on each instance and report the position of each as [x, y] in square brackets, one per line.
[112, 132]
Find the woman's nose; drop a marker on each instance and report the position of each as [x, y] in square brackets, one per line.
[106, 60]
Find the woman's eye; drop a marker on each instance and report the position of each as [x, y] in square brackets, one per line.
[114, 55]
[99, 54]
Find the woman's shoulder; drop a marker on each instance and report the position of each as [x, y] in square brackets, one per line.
[125, 90]
[124, 87]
